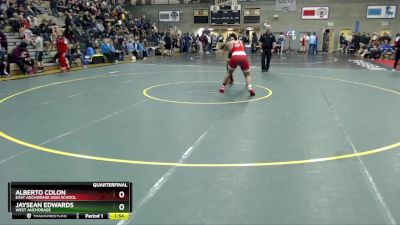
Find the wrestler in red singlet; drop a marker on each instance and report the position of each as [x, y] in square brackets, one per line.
[238, 58]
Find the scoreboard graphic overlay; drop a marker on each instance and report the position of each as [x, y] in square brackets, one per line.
[70, 200]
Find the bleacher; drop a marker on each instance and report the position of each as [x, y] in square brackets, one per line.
[14, 40]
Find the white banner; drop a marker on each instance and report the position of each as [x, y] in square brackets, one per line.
[168, 16]
[285, 5]
[315, 13]
[382, 12]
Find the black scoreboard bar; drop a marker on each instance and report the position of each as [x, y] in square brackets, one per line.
[70, 200]
[225, 17]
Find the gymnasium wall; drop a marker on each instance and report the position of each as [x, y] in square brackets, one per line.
[343, 14]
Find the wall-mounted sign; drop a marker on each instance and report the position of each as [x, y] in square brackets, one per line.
[285, 5]
[252, 12]
[200, 16]
[200, 12]
[168, 16]
[381, 12]
[251, 15]
[315, 13]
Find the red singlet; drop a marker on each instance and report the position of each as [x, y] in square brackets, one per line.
[239, 57]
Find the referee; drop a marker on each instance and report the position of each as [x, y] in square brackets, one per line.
[397, 48]
[267, 41]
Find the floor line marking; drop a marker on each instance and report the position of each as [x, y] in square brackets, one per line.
[76, 129]
[126, 82]
[368, 178]
[14, 155]
[45, 103]
[330, 60]
[76, 95]
[114, 72]
[153, 163]
[204, 92]
[160, 182]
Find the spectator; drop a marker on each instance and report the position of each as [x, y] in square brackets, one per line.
[62, 50]
[208, 45]
[343, 43]
[313, 44]
[75, 53]
[280, 44]
[3, 64]
[68, 21]
[119, 49]
[372, 51]
[3, 21]
[21, 57]
[375, 36]
[385, 37]
[107, 51]
[37, 41]
[168, 44]
[54, 7]
[11, 10]
[199, 44]
[356, 41]
[254, 41]
[187, 40]
[3, 42]
[375, 51]
[303, 41]
[386, 48]
[89, 53]
[144, 51]
[364, 41]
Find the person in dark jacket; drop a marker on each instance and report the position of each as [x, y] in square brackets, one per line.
[356, 41]
[397, 47]
[267, 41]
[21, 57]
[168, 44]
[11, 10]
[3, 42]
[4, 65]
[54, 7]
[254, 42]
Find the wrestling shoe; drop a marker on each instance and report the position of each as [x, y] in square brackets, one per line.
[252, 92]
[222, 89]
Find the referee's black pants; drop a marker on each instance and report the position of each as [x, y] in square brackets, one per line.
[265, 66]
[396, 59]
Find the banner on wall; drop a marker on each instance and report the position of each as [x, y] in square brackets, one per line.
[168, 16]
[285, 5]
[381, 12]
[200, 16]
[251, 12]
[315, 13]
[200, 12]
[251, 15]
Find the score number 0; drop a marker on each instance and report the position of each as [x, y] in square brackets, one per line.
[121, 194]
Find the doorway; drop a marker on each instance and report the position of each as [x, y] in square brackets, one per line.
[382, 31]
[347, 32]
